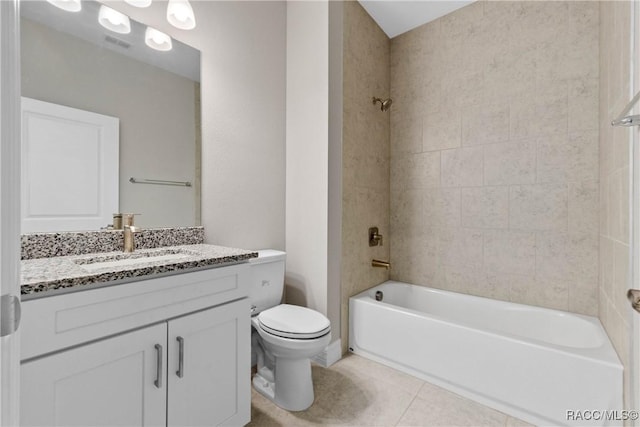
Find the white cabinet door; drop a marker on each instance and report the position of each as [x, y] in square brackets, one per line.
[212, 384]
[69, 168]
[108, 383]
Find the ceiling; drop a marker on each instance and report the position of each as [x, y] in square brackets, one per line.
[182, 59]
[397, 16]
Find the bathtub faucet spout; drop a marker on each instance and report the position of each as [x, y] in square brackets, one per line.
[378, 263]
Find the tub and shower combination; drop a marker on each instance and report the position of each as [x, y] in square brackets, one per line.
[533, 363]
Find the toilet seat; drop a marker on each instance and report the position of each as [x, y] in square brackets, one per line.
[294, 322]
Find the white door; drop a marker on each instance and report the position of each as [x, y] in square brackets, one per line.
[9, 209]
[209, 367]
[119, 381]
[69, 168]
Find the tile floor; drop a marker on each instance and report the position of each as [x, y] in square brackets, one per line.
[358, 392]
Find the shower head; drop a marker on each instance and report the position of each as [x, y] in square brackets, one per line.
[384, 104]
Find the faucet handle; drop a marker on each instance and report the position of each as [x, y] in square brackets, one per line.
[128, 218]
[375, 238]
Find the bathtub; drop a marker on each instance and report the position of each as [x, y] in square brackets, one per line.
[532, 363]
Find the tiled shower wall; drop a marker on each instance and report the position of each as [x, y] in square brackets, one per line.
[494, 153]
[615, 80]
[365, 153]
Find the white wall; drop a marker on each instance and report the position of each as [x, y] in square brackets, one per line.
[334, 250]
[307, 153]
[243, 115]
[313, 140]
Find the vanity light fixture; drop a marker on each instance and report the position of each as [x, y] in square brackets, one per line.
[114, 20]
[139, 3]
[157, 39]
[180, 14]
[68, 5]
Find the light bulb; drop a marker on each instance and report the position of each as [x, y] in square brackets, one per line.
[114, 20]
[68, 5]
[139, 3]
[157, 40]
[180, 14]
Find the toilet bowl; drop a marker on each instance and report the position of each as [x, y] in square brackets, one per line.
[284, 337]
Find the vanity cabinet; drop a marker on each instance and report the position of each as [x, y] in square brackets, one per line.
[206, 385]
[110, 382]
[191, 367]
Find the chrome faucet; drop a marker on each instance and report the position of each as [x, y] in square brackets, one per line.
[129, 241]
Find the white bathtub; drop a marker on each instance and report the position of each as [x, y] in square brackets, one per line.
[533, 363]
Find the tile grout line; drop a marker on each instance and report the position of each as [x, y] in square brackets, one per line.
[410, 403]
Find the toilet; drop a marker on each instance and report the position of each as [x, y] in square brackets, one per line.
[284, 337]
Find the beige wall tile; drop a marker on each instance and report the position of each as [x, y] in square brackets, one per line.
[567, 257]
[618, 204]
[583, 105]
[512, 252]
[614, 80]
[461, 247]
[583, 205]
[366, 155]
[583, 298]
[441, 130]
[544, 114]
[463, 88]
[564, 158]
[407, 210]
[604, 205]
[484, 124]
[510, 163]
[582, 56]
[485, 207]
[620, 142]
[620, 276]
[538, 207]
[415, 258]
[462, 167]
[406, 134]
[495, 286]
[512, 75]
[367, 171]
[421, 170]
[458, 27]
[509, 98]
[606, 265]
[540, 292]
[441, 208]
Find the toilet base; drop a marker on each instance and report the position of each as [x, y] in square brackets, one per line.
[293, 386]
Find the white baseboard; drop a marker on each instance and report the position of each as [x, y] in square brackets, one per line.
[330, 355]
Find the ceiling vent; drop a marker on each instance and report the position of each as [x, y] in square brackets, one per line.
[121, 43]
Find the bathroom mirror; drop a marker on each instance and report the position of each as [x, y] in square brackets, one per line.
[69, 60]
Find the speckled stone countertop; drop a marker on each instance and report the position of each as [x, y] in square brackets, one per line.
[46, 245]
[44, 275]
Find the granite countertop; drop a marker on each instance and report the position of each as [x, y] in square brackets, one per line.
[47, 274]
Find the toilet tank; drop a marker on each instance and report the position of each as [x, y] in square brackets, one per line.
[267, 279]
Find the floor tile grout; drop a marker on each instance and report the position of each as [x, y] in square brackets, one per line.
[409, 405]
[358, 392]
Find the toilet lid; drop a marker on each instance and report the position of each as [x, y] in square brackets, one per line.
[292, 321]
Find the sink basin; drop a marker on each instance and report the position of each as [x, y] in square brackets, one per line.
[133, 259]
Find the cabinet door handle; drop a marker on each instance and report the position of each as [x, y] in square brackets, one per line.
[180, 371]
[158, 381]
